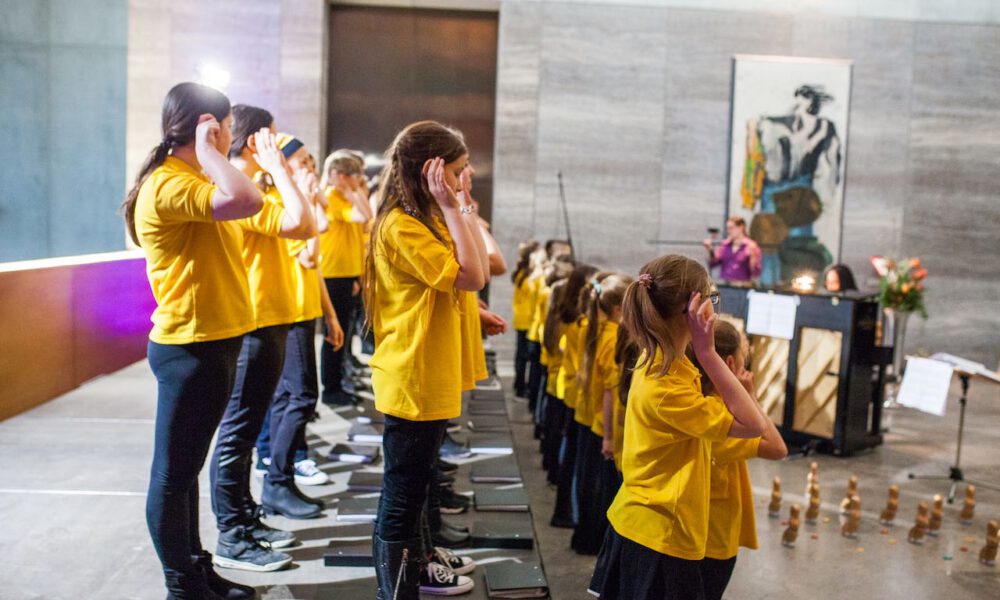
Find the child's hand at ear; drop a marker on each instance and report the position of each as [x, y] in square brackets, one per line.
[746, 380]
[701, 321]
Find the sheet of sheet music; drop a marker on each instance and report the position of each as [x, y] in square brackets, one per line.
[925, 385]
[772, 315]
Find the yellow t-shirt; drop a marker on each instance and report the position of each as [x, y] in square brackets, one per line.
[524, 306]
[619, 416]
[265, 256]
[669, 427]
[193, 262]
[473, 352]
[341, 246]
[306, 282]
[417, 365]
[605, 375]
[541, 309]
[553, 365]
[569, 343]
[731, 521]
[584, 414]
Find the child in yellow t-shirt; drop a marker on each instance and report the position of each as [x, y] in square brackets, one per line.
[659, 518]
[731, 510]
[562, 433]
[523, 307]
[598, 381]
[413, 284]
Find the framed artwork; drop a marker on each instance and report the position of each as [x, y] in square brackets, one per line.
[788, 159]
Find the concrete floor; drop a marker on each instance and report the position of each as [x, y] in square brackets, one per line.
[75, 474]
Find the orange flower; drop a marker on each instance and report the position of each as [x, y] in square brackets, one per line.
[915, 263]
[907, 287]
[920, 274]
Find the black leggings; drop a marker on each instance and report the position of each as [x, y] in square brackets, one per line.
[332, 361]
[410, 452]
[715, 575]
[294, 401]
[193, 386]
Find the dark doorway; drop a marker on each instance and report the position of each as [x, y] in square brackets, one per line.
[389, 67]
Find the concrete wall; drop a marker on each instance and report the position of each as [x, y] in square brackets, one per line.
[273, 50]
[62, 64]
[630, 100]
[632, 104]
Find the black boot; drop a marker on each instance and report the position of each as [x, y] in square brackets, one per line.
[190, 585]
[302, 496]
[397, 568]
[230, 590]
[281, 499]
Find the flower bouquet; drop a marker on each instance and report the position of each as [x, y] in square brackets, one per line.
[901, 284]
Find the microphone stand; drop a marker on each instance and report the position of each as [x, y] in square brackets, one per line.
[565, 211]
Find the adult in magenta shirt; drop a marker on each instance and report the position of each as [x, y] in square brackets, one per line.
[738, 254]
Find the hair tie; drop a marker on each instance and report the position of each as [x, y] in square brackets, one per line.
[596, 285]
[165, 144]
[409, 209]
[645, 280]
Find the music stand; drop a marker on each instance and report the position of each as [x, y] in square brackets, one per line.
[955, 474]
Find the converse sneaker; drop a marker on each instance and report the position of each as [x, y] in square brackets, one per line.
[438, 580]
[237, 549]
[461, 565]
[306, 473]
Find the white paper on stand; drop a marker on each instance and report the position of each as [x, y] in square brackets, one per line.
[925, 385]
[772, 315]
[968, 366]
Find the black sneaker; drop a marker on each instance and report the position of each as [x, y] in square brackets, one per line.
[270, 537]
[461, 565]
[438, 580]
[446, 467]
[452, 503]
[237, 549]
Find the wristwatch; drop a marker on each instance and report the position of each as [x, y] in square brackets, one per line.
[467, 210]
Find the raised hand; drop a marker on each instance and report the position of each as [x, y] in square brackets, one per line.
[701, 321]
[267, 155]
[439, 188]
[307, 183]
[206, 134]
[746, 380]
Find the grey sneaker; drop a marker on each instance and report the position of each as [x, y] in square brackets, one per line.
[237, 549]
[269, 537]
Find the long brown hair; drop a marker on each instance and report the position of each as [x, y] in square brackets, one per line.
[654, 306]
[523, 268]
[606, 295]
[555, 278]
[183, 106]
[402, 185]
[728, 341]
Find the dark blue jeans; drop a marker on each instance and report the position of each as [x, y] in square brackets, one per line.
[294, 401]
[535, 373]
[193, 385]
[332, 361]
[410, 449]
[521, 357]
[258, 369]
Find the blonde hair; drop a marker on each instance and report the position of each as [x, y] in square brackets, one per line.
[654, 306]
[606, 294]
[340, 161]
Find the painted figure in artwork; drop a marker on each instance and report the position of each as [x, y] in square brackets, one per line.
[792, 170]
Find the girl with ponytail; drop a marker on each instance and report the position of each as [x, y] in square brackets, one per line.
[659, 518]
[572, 324]
[181, 212]
[414, 275]
[597, 380]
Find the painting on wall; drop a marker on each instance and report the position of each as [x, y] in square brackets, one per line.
[788, 159]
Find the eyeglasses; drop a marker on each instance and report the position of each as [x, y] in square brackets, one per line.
[713, 297]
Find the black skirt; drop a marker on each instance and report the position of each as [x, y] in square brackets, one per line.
[629, 571]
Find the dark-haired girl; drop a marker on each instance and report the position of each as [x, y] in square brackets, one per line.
[181, 211]
[523, 306]
[413, 280]
[245, 542]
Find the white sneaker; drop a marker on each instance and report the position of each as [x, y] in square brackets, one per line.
[439, 580]
[306, 473]
[461, 565]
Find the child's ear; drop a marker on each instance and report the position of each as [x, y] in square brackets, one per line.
[731, 363]
[252, 144]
